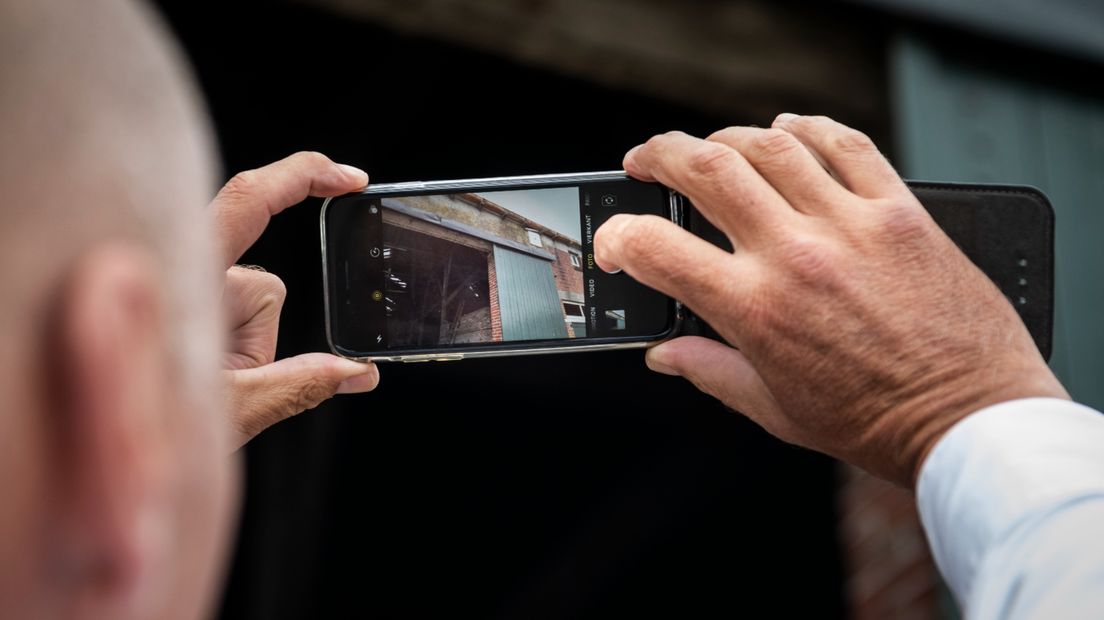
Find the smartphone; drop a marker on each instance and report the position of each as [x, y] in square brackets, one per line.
[446, 270]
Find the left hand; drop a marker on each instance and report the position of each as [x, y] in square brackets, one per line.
[264, 391]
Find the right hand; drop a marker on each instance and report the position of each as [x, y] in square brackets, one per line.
[860, 330]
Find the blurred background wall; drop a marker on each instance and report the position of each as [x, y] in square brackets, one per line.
[453, 490]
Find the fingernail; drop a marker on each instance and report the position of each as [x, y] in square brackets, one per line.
[354, 172]
[363, 382]
[357, 385]
[613, 271]
[784, 117]
[658, 360]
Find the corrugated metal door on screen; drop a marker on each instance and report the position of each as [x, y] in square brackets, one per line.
[527, 298]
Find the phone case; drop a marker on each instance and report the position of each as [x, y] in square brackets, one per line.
[1006, 230]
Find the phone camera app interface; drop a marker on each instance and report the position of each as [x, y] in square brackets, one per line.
[477, 268]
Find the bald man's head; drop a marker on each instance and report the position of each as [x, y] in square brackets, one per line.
[116, 483]
[103, 136]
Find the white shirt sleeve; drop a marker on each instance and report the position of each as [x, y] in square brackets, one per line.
[1012, 500]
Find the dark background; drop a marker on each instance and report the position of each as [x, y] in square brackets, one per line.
[574, 485]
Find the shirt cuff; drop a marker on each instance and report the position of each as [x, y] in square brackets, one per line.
[999, 466]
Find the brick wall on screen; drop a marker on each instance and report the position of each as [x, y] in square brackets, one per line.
[889, 568]
[568, 277]
[496, 311]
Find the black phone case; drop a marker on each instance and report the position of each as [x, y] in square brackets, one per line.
[1006, 230]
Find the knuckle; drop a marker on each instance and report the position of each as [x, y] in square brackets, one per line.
[244, 183]
[818, 120]
[711, 159]
[774, 144]
[809, 124]
[903, 220]
[656, 143]
[853, 142]
[310, 158]
[808, 258]
[652, 146]
[310, 393]
[641, 230]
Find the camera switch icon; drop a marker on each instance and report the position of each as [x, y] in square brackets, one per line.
[609, 200]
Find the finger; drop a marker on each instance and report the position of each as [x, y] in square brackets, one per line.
[630, 165]
[248, 292]
[660, 254]
[847, 153]
[723, 186]
[245, 204]
[266, 395]
[787, 165]
[724, 373]
[253, 301]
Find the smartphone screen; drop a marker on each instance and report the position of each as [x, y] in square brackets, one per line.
[484, 268]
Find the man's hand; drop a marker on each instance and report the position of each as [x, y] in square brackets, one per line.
[859, 328]
[264, 391]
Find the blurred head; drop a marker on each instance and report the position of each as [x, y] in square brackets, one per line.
[118, 491]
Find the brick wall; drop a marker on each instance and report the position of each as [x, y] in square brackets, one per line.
[888, 565]
[568, 277]
[496, 310]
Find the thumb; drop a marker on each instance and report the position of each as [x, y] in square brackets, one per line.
[724, 373]
[263, 396]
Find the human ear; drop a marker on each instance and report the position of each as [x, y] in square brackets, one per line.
[110, 380]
